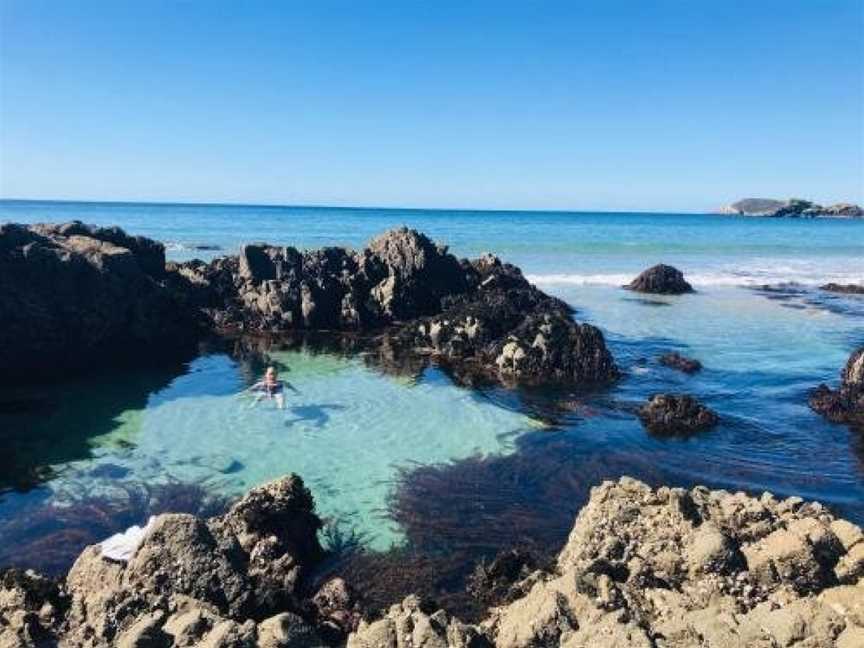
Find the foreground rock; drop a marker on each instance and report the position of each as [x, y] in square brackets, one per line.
[846, 404]
[660, 280]
[675, 414]
[234, 580]
[792, 208]
[662, 567]
[74, 296]
[481, 316]
[845, 289]
[672, 568]
[675, 360]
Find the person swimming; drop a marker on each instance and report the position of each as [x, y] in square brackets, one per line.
[271, 388]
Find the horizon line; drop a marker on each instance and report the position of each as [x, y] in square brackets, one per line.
[171, 203]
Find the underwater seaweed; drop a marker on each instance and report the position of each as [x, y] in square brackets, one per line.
[49, 536]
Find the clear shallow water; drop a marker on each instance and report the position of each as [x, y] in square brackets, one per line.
[353, 427]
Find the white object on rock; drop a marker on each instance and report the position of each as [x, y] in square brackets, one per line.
[122, 546]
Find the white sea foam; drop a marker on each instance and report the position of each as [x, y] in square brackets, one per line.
[806, 274]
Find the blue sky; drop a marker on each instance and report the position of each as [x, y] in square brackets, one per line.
[647, 105]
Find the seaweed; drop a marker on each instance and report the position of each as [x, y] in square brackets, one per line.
[49, 536]
[459, 517]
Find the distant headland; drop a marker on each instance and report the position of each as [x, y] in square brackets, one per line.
[792, 208]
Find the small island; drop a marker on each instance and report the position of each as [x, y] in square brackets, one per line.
[792, 208]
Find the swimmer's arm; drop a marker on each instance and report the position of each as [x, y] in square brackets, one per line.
[290, 386]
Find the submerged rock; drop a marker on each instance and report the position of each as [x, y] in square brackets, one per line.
[75, 296]
[676, 361]
[675, 414]
[845, 404]
[660, 280]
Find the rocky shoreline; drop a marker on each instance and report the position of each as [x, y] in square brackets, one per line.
[664, 567]
[76, 296]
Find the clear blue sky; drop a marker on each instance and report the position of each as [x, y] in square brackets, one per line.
[648, 104]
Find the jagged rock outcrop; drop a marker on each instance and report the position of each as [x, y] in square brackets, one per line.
[792, 208]
[509, 330]
[75, 296]
[845, 404]
[231, 580]
[483, 316]
[660, 280]
[675, 414]
[677, 361]
[674, 568]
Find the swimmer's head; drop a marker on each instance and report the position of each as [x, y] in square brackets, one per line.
[271, 373]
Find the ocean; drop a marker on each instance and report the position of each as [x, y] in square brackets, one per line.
[363, 437]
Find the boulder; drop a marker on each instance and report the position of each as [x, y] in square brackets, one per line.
[74, 297]
[661, 280]
[244, 565]
[675, 414]
[675, 360]
[845, 404]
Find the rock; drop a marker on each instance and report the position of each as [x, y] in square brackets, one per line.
[792, 208]
[408, 624]
[74, 296]
[676, 361]
[694, 567]
[846, 404]
[675, 414]
[287, 630]
[847, 289]
[661, 280]
[493, 583]
[31, 608]
[244, 565]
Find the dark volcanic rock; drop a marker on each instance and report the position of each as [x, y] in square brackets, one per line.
[675, 414]
[847, 289]
[482, 317]
[75, 296]
[676, 361]
[661, 280]
[846, 404]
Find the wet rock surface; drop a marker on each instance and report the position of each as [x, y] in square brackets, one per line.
[845, 404]
[660, 280]
[675, 414]
[675, 360]
[672, 568]
[74, 296]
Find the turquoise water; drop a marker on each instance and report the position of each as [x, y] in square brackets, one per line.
[354, 426]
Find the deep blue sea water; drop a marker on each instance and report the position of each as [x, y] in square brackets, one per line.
[353, 427]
